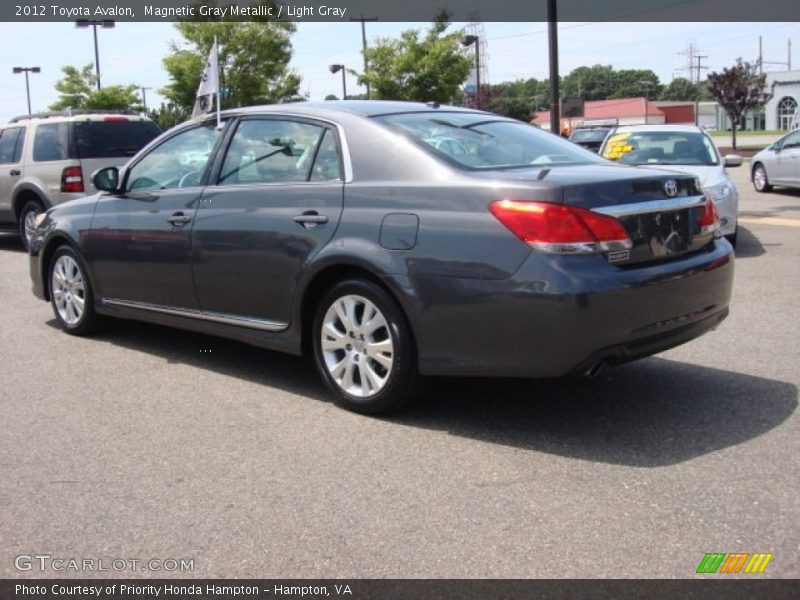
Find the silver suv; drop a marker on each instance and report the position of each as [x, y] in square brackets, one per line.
[49, 158]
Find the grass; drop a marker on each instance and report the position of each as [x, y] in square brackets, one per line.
[739, 134]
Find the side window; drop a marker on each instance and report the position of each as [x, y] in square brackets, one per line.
[50, 142]
[177, 163]
[792, 141]
[326, 165]
[270, 150]
[8, 145]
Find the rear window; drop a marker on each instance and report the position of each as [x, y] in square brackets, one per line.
[477, 141]
[589, 135]
[112, 139]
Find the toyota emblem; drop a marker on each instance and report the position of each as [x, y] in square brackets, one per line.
[671, 188]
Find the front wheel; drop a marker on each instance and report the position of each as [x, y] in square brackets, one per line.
[27, 221]
[71, 293]
[363, 348]
[760, 181]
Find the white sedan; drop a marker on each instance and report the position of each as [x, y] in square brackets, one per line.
[684, 148]
[779, 164]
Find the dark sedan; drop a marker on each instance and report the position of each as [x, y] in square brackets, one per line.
[391, 241]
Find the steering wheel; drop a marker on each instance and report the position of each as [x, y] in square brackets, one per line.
[187, 177]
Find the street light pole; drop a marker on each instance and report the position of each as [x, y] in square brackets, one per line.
[144, 97]
[335, 69]
[469, 40]
[27, 70]
[105, 24]
[645, 83]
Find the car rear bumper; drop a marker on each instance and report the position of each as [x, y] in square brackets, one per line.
[560, 314]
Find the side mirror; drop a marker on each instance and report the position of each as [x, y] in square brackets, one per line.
[732, 160]
[106, 180]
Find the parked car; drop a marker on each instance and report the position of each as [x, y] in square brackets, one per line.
[683, 148]
[590, 138]
[384, 256]
[47, 158]
[778, 164]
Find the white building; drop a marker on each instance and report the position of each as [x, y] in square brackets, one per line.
[785, 89]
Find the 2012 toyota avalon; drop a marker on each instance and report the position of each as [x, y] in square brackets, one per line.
[391, 241]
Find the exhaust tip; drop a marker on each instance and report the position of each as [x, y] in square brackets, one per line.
[594, 370]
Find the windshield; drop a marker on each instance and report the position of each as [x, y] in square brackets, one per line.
[661, 148]
[113, 139]
[588, 135]
[477, 141]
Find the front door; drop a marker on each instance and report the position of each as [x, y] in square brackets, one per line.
[139, 243]
[787, 161]
[276, 201]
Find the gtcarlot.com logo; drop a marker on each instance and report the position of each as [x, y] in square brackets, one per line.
[48, 562]
[734, 562]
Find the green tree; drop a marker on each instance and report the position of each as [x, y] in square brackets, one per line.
[681, 88]
[253, 56]
[429, 67]
[738, 89]
[78, 91]
[167, 115]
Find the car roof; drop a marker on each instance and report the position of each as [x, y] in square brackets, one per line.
[77, 115]
[663, 128]
[366, 108]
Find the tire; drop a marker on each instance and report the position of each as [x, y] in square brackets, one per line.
[760, 180]
[71, 294]
[27, 216]
[368, 370]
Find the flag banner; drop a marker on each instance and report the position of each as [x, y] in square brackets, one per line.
[209, 84]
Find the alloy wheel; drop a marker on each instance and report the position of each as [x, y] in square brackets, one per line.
[69, 289]
[357, 346]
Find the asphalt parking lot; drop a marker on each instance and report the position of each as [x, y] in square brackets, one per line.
[146, 442]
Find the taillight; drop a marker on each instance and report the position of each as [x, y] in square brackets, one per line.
[116, 119]
[561, 229]
[72, 180]
[707, 219]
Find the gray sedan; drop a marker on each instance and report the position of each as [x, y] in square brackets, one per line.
[390, 241]
[778, 164]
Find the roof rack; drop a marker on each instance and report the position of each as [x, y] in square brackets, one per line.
[70, 112]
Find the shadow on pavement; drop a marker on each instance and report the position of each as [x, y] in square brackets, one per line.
[747, 244]
[651, 413]
[11, 241]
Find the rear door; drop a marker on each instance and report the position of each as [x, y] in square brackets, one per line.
[139, 243]
[12, 140]
[276, 202]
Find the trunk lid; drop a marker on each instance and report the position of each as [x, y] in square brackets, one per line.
[659, 209]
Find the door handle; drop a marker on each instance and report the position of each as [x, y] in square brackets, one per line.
[310, 218]
[179, 219]
[15, 172]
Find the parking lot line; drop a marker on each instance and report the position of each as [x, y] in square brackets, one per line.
[782, 222]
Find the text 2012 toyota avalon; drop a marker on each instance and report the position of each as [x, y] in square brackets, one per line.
[390, 241]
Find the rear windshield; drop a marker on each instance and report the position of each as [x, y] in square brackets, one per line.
[112, 139]
[477, 141]
[661, 148]
[588, 135]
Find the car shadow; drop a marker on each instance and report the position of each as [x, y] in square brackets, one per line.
[11, 241]
[747, 244]
[651, 413]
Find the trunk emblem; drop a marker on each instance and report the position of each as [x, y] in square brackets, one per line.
[671, 188]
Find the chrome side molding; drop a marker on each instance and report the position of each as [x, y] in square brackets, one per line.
[249, 322]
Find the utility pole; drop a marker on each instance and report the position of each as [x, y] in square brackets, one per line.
[552, 35]
[699, 58]
[760, 56]
[144, 97]
[789, 54]
[363, 20]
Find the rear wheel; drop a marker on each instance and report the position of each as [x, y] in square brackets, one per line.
[363, 348]
[27, 221]
[760, 181]
[71, 293]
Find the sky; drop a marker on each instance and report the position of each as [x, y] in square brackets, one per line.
[132, 52]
